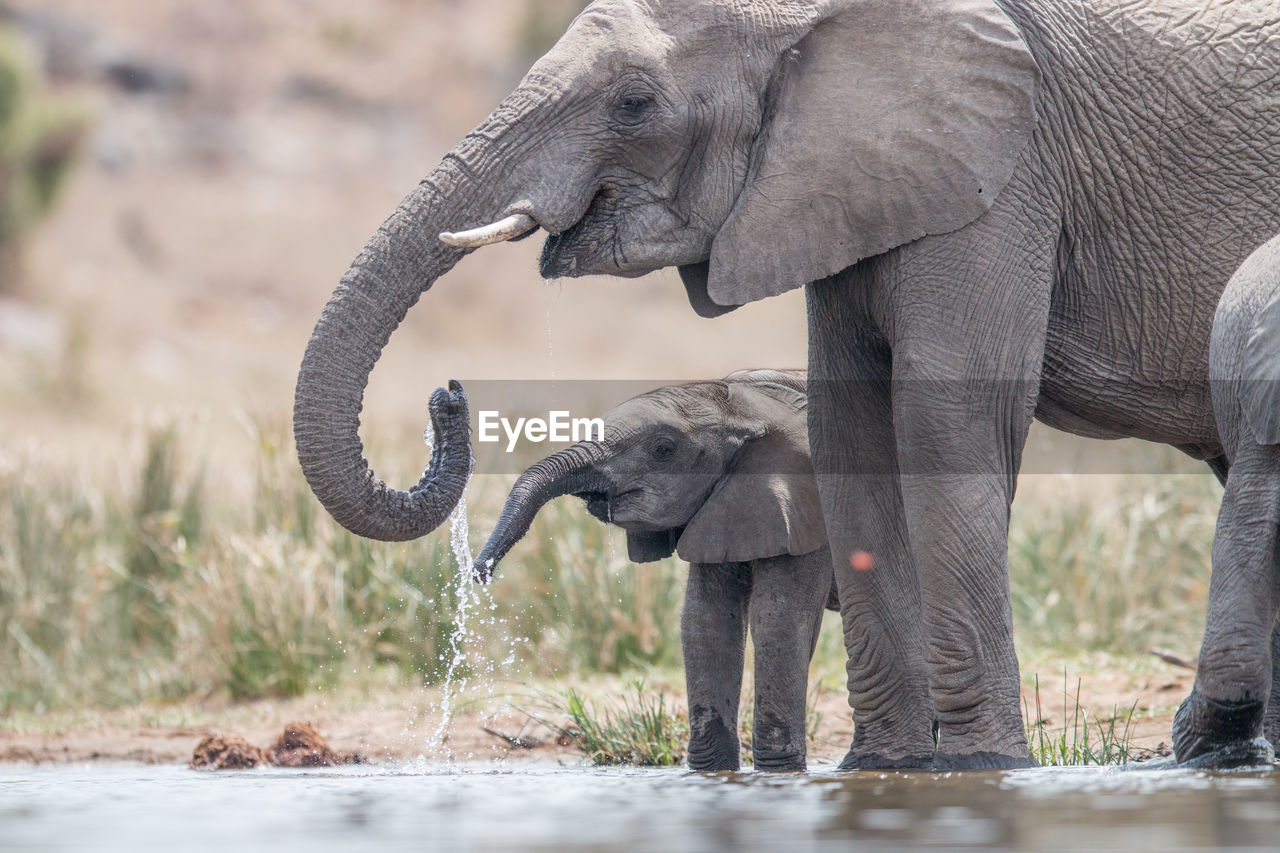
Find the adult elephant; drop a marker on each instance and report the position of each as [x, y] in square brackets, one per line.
[1001, 209]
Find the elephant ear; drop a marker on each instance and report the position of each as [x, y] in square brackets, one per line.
[766, 504]
[789, 387]
[649, 547]
[1260, 390]
[694, 277]
[889, 120]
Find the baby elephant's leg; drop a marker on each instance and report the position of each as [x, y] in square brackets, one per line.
[713, 634]
[789, 596]
[1220, 723]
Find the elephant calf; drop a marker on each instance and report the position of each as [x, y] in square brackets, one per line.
[1223, 718]
[718, 472]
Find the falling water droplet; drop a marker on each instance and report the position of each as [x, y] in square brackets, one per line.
[608, 534]
[551, 356]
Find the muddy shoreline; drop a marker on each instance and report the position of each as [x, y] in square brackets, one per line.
[400, 725]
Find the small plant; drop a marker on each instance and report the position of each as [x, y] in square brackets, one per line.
[159, 526]
[639, 729]
[1078, 744]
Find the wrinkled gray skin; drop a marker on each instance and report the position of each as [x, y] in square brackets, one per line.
[1241, 646]
[1000, 210]
[718, 472]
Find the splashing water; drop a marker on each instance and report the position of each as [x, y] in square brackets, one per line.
[468, 628]
[468, 596]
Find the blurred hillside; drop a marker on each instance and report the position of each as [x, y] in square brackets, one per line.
[242, 152]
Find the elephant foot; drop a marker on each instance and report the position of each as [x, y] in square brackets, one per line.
[1271, 725]
[713, 762]
[777, 762]
[1251, 753]
[713, 746]
[774, 747]
[860, 760]
[980, 761]
[1210, 733]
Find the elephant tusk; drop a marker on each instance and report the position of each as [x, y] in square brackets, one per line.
[498, 232]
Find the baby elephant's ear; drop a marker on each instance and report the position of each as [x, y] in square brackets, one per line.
[766, 504]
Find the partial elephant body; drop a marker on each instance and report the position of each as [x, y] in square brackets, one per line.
[1152, 153]
[1236, 699]
[1001, 210]
[782, 599]
[720, 472]
[1082, 296]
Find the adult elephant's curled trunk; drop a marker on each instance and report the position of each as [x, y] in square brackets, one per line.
[572, 471]
[398, 264]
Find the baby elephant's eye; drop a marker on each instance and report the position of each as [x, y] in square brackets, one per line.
[663, 448]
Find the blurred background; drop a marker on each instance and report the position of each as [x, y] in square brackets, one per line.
[181, 186]
[230, 161]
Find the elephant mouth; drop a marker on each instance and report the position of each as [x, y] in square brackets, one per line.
[590, 245]
[606, 506]
[597, 504]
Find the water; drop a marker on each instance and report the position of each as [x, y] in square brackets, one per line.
[469, 622]
[551, 355]
[523, 808]
[468, 598]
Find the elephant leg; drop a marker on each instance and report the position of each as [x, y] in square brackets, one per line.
[1271, 723]
[1220, 724]
[788, 598]
[965, 387]
[851, 437]
[713, 635]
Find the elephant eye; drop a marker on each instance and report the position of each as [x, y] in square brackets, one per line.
[631, 108]
[663, 448]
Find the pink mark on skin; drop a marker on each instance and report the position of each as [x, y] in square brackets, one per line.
[862, 561]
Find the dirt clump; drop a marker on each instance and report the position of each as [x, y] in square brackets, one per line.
[299, 745]
[217, 752]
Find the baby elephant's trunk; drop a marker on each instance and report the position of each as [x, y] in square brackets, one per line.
[571, 471]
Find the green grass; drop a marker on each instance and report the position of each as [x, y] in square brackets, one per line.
[160, 584]
[1123, 570]
[1084, 741]
[607, 613]
[640, 726]
[637, 728]
[159, 580]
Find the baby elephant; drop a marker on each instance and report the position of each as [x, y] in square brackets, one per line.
[1236, 698]
[719, 473]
